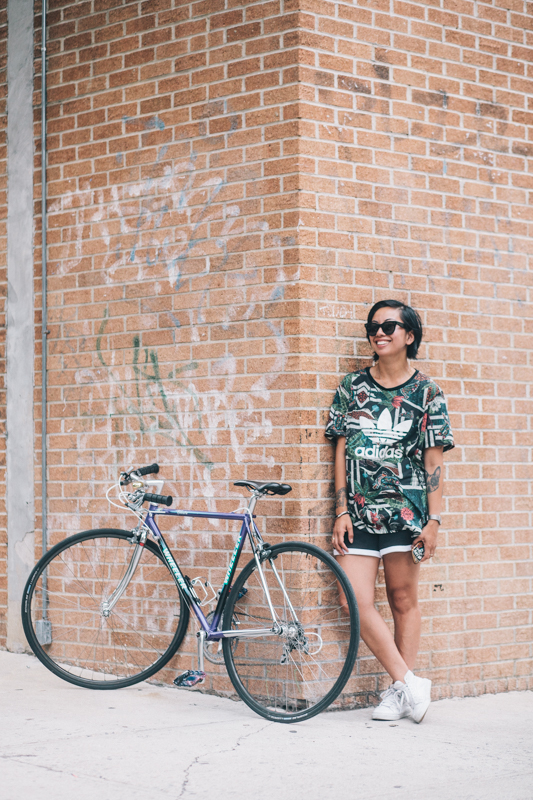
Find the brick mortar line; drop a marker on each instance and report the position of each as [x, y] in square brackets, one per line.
[468, 49]
[161, 45]
[193, 18]
[309, 140]
[328, 70]
[309, 68]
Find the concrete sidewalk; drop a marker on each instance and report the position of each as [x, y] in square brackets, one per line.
[58, 742]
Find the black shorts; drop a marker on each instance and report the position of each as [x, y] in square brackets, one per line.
[378, 544]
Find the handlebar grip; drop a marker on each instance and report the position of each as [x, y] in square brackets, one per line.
[161, 499]
[148, 470]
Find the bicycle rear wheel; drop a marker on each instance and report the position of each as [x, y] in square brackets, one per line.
[88, 647]
[294, 674]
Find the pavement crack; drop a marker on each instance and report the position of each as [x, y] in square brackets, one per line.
[244, 737]
[251, 733]
[196, 759]
[18, 759]
[186, 776]
[70, 737]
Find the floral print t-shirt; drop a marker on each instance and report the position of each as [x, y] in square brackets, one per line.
[387, 431]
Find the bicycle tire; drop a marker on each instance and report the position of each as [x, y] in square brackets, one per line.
[274, 674]
[89, 649]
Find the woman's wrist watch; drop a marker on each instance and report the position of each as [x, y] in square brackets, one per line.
[436, 517]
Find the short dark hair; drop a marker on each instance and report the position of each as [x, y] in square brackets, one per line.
[410, 318]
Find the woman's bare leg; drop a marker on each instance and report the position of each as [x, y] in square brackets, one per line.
[362, 572]
[401, 579]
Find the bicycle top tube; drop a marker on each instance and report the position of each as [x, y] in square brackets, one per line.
[177, 512]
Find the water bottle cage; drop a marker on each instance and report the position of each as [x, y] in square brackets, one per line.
[205, 585]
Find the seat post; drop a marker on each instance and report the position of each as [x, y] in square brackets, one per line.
[253, 500]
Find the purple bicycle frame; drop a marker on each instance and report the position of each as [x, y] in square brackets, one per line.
[212, 634]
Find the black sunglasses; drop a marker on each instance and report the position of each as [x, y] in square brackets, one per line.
[388, 327]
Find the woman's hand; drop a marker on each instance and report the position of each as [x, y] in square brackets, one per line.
[429, 538]
[342, 526]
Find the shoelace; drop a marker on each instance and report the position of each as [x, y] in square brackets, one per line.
[405, 695]
[400, 695]
[387, 693]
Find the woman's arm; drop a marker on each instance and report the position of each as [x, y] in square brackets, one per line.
[341, 498]
[342, 524]
[433, 466]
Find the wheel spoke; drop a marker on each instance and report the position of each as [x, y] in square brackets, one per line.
[134, 640]
[275, 675]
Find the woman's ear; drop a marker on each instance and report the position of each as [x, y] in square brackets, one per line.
[410, 337]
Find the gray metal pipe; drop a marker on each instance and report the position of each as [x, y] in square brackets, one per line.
[43, 626]
[44, 306]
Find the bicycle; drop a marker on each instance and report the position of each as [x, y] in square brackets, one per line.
[107, 608]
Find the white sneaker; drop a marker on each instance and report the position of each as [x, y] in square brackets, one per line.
[394, 703]
[418, 694]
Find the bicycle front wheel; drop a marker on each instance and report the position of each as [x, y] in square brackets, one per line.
[72, 632]
[291, 670]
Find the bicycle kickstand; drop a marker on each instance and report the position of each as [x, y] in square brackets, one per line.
[192, 677]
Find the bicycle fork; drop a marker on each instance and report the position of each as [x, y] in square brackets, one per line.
[109, 604]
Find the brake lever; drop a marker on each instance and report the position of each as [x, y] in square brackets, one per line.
[135, 499]
[125, 478]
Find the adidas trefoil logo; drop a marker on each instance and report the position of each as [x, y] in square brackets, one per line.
[383, 431]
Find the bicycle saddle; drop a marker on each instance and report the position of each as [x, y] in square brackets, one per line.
[266, 488]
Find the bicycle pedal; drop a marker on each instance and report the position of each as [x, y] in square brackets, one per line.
[189, 678]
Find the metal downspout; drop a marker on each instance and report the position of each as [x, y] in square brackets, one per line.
[44, 329]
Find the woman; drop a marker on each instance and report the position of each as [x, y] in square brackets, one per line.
[391, 427]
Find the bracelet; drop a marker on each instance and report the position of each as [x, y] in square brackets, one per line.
[341, 514]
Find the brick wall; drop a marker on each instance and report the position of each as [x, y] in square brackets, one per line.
[418, 151]
[231, 185]
[3, 294]
[173, 272]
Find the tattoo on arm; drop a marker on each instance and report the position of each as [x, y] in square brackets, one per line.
[340, 498]
[433, 481]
